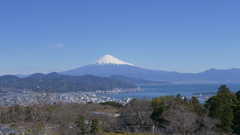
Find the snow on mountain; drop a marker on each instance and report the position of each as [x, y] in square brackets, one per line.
[109, 59]
[108, 65]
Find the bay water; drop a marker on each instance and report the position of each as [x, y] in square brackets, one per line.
[186, 90]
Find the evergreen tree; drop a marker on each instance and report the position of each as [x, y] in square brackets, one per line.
[195, 101]
[227, 119]
[157, 102]
[236, 121]
[221, 107]
[197, 107]
[95, 126]
[80, 125]
[178, 97]
[156, 115]
[185, 100]
[238, 95]
[223, 88]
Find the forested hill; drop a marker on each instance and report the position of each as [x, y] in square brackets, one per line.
[60, 83]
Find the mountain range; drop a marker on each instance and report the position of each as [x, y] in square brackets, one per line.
[131, 80]
[108, 66]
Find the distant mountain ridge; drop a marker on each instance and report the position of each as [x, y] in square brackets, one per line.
[108, 66]
[131, 80]
[60, 83]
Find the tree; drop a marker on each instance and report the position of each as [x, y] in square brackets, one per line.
[178, 98]
[238, 95]
[95, 126]
[221, 106]
[236, 121]
[137, 112]
[80, 125]
[179, 120]
[160, 105]
[223, 88]
[66, 118]
[39, 114]
[196, 106]
[165, 100]
[236, 111]
[207, 125]
[113, 104]
[157, 113]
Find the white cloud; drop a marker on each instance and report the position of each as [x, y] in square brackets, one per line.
[59, 69]
[63, 69]
[52, 63]
[55, 45]
[2, 73]
[15, 69]
[22, 69]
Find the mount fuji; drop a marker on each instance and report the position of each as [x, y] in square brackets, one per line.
[109, 60]
[108, 66]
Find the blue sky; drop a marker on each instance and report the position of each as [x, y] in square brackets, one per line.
[172, 35]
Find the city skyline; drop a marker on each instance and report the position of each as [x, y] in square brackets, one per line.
[182, 36]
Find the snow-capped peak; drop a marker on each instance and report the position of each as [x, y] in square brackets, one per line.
[109, 59]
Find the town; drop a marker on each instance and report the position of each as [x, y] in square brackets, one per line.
[25, 98]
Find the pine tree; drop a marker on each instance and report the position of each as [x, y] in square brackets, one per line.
[95, 126]
[80, 125]
[221, 107]
[238, 95]
[223, 88]
[236, 121]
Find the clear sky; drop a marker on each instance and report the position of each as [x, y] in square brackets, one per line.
[172, 35]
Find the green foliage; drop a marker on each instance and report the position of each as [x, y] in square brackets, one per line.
[40, 128]
[61, 83]
[95, 126]
[51, 109]
[178, 98]
[134, 102]
[28, 131]
[161, 104]
[238, 95]
[28, 113]
[80, 125]
[221, 106]
[113, 104]
[200, 110]
[164, 100]
[223, 88]
[156, 115]
[185, 100]
[183, 108]
[157, 102]
[195, 105]
[236, 110]
[227, 119]
[195, 101]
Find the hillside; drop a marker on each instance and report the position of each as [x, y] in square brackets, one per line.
[60, 83]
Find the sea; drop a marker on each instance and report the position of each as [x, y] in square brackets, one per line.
[185, 90]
